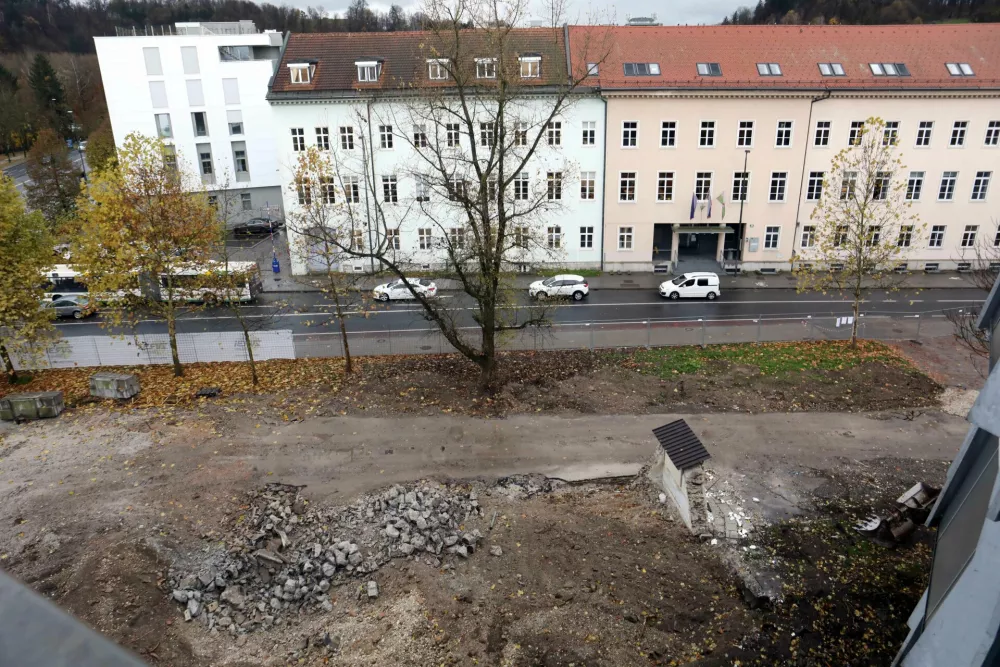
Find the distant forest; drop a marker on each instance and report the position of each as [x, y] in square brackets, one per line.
[66, 26]
[866, 11]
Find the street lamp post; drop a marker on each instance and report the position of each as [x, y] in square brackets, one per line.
[744, 185]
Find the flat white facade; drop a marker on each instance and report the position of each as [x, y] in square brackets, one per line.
[570, 228]
[203, 91]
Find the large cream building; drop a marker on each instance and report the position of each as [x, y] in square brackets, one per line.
[688, 107]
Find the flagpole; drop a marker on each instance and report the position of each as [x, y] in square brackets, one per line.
[745, 185]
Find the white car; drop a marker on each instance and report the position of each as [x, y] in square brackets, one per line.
[397, 289]
[691, 286]
[566, 285]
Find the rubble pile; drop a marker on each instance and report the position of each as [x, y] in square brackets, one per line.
[286, 556]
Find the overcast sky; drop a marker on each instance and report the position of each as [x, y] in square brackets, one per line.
[672, 12]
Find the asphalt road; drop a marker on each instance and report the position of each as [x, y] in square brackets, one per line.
[19, 172]
[305, 313]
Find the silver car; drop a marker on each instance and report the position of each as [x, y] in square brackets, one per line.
[76, 307]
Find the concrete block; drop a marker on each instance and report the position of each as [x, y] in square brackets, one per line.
[32, 405]
[114, 385]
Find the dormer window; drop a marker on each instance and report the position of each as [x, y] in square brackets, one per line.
[960, 69]
[769, 69]
[831, 69]
[531, 66]
[301, 72]
[437, 69]
[486, 68]
[368, 70]
[709, 69]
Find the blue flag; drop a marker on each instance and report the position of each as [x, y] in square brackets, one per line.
[694, 203]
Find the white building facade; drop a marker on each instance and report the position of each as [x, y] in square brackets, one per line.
[201, 88]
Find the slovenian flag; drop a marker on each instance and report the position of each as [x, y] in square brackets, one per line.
[694, 203]
[709, 205]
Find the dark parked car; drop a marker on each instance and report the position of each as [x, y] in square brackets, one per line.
[257, 227]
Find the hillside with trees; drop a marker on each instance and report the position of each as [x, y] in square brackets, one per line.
[64, 25]
[866, 11]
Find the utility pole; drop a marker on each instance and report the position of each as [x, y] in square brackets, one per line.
[744, 186]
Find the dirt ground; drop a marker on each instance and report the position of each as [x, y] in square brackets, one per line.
[100, 504]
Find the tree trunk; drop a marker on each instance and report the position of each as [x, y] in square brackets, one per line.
[854, 324]
[348, 366]
[8, 365]
[250, 359]
[174, 354]
[488, 362]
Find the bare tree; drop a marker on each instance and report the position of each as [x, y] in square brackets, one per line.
[861, 230]
[983, 259]
[476, 132]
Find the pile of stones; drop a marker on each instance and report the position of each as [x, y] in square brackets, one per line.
[285, 555]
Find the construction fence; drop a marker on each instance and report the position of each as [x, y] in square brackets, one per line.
[284, 344]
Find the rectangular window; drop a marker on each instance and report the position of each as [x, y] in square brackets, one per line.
[392, 239]
[553, 182]
[553, 237]
[769, 69]
[205, 159]
[630, 133]
[890, 133]
[358, 240]
[553, 133]
[195, 93]
[521, 186]
[487, 134]
[521, 237]
[706, 138]
[299, 73]
[163, 129]
[626, 186]
[390, 192]
[151, 55]
[959, 69]
[947, 190]
[969, 236]
[530, 67]
[814, 190]
[231, 91]
[849, 185]
[778, 181]
[668, 133]
[588, 184]
[857, 129]
[642, 69]
[924, 131]
[741, 185]
[347, 138]
[958, 133]
[831, 69]
[808, 236]
[352, 190]
[240, 161]
[593, 69]
[368, 71]
[456, 236]
[992, 133]
[486, 68]
[246, 203]
[624, 238]
[744, 135]
[323, 138]
[703, 185]
[914, 184]
[665, 186]
[422, 189]
[420, 136]
[937, 236]
[840, 236]
[822, 137]
[385, 136]
[327, 190]
[880, 185]
[586, 237]
[457, 189]
[170, 157]
[783, 137]
[905, 237]
[589, 137]
[158, 94]
[424, 238]
[303, 190]
[298, 139]
[889, 69]
[235, 118]
[981, 185]
[874, 236]
[771, 237]
[452, 135]
[436, 70]
[521, 133]
[200, 123]
[709, 69]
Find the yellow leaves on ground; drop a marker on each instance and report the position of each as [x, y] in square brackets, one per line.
[160, 387]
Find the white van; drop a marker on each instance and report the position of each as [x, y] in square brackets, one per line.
[692, 286]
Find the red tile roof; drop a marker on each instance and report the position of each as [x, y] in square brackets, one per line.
[404, 57]
[924, 49]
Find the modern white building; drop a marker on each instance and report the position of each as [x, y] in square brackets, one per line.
[358, 98]
[202, 88]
